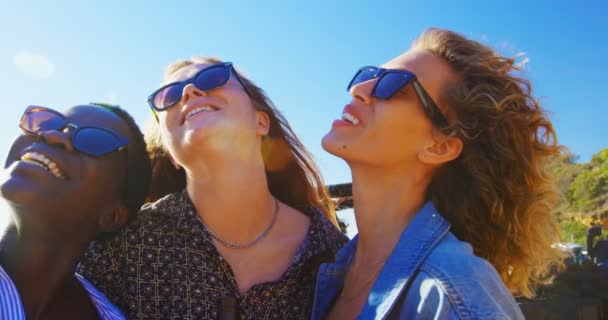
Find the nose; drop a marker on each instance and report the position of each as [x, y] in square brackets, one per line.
[363, 91]
[191, 91]
[57, 138]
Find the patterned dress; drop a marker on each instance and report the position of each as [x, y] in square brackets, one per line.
[163, 265]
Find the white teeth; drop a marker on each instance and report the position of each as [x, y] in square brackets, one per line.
[199, 109]
[350, 118]
[43, 162]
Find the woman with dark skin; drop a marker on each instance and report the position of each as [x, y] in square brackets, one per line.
[69, 178]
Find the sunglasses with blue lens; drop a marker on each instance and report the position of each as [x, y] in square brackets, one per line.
[390, 81]
[90, 140]
[209, 78]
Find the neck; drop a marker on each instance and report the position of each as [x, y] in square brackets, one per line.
[231, 196]
[39, 264]
[385, 201]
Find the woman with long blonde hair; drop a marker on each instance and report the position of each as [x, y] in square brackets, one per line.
[241, 219]
[447, 148]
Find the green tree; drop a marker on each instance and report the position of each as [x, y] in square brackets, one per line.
[565, 169]
[589, 190]
[574, 231]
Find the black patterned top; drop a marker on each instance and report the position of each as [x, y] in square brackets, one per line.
[163, 265]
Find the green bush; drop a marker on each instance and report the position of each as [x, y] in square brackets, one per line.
[589, 189]
[574, 231]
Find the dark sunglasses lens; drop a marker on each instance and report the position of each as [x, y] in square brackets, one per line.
[168, 96]
[363, 75]
[37, 121]
[94, 141]
[212, 77]
[390, 83]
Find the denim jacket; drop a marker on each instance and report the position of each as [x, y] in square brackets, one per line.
[429, 275]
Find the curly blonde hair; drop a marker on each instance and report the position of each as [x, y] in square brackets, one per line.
[292, 174]
[498, 194]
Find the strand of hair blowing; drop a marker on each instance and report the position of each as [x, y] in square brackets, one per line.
[498, 195]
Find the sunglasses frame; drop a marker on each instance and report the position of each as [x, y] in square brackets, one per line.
[429, 106]
[183, 84]
[121, 141]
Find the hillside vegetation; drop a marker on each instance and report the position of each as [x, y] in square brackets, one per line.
[584, 193]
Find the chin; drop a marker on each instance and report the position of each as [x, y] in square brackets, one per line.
[333, 145]
[195, 138]
[350, 150]
[23, 190]
[16, 192]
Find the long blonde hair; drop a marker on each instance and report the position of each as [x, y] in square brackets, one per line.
[498, 195]
[292, 175]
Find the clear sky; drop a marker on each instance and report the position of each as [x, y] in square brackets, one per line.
[63, 53]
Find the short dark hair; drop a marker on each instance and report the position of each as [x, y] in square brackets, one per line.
[139, 170]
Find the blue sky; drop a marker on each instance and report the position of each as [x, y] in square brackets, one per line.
[62, 53]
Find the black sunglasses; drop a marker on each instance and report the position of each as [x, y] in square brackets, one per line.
[209, 78]
[90, 140]
[390, 81]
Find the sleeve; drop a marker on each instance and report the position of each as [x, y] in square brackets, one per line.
[102, 264]
[426, 299]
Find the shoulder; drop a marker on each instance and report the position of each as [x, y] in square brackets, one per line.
[169, 207]
[456, 281]
[432, 298]
[153, 216]
[107, 254]
[453, 257]
[323, 231]
[105, 308]
[11, 306]
[162, 215]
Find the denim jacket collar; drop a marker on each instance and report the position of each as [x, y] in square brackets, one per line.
[418, 239]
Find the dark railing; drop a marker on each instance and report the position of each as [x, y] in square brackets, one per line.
[342, 194]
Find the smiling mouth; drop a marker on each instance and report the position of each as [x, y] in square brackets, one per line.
[350, 118]
[197, 110]
[44, 162]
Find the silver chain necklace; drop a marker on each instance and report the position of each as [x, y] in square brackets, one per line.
[250, 244]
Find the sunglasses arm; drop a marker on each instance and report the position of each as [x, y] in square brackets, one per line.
[428, 104]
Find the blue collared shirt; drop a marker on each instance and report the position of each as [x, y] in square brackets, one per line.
[429, 275]
[11, 306]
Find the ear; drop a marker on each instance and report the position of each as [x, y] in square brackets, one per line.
[262, 123]
[114, 219]
[441, 150]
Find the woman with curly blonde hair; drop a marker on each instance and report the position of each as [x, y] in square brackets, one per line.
[447, 148]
